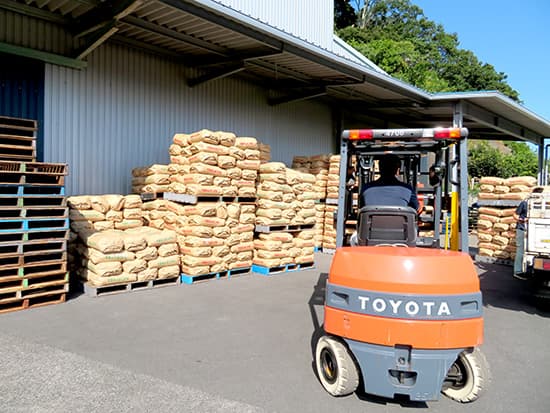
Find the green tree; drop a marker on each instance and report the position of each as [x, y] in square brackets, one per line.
[344, 14]
[486, 160]
[398, 37]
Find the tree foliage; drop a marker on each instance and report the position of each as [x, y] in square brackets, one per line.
[398, 37]
[486, 160]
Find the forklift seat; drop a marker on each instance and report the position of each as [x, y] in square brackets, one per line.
[386, 225]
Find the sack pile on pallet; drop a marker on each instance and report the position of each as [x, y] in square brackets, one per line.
[112, 245]
[212, 236]
[214, 164]
[515, 188]
[265, 152]
[277, 249]
[496, 232]
[151, 179]
[496, 225]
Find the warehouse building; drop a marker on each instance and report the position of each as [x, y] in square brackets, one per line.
[110, 82]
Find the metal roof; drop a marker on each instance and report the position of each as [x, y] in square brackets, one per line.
[222, 42]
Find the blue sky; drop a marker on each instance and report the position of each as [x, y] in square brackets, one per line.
[511, 35]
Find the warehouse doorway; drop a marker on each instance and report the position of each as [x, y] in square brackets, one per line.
[22, 92]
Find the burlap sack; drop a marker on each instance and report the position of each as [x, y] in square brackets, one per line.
[164, 261]
[204, 135]
[243, 183]
[96, 257]
[179, 160]
[99, 281]
[229, 191]
[302, 243]
[157, 238]
[132, 201]
[206, 147]
[221, 251]
[500, 240]
[195, 231]
[490, 218]
[191, 261]
[170, 271]
[249, 174]
[286, 261]
[222, 181]
[226, 161]
[206, 221]
[252, 154]
[128, 224]
[201, 168]
[234, 173]
[99, 203]
[268, 245]
[271, 222]
[271, 195]
[240, 228]
[147, 274]
[497, 212]
[491, 180]
[167, 250]
[484, 237]
[487, 246]
[226, 138]
[195, 270]
[233, 239]
[501, 189]
[245, 236]
[305, 259]
[508, 220]
[499, 226]
[105, 269]
[504, 255]
[134, 266]
[198, 179]
[114, 216]
[247, 218]
[105, 242]
[246, 143]
[483, 195]
[175, 149]
[484, 224]
[246, 192]
[250, 164]
[157, 204]
[86, 215]
[241, 247]
[236, 153]
[240, 264]
[79, 202]
[515, 195]
[245, 256]
[268, 263]
[206, 158]
[201, 242]
[132, 213]
[519, 188]
[196, 251]
[271, 213]
[521, 180]
[103, 225]
[181, 139]
[266, 254]
[203, 190]
[147, 254]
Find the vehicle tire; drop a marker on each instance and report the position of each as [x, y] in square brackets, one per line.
[468, 377]
[335, 367]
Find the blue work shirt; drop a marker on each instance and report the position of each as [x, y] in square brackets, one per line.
[521, 211]
[389, 192]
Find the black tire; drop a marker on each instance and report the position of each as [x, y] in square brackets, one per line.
[336, 368]
[468, 378]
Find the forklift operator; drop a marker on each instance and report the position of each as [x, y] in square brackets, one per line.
[388, 190]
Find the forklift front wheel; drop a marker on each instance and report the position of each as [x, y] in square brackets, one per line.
[335, 367]
[468, 377]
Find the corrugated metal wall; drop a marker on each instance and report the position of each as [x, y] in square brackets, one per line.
[123, 109]
[20, 30]
[310, 20]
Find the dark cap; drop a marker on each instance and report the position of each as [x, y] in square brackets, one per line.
[388, 164]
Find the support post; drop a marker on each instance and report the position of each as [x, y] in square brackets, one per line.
[342, 198]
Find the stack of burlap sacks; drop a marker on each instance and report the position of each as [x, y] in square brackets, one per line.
[212, 236]
[112, 246]
[496, 225]
[152, 179]
[214, 164]
[329, 230]
[318, 166]
[265, 152]
[285, 197]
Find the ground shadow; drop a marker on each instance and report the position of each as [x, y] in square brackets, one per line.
[500, 289]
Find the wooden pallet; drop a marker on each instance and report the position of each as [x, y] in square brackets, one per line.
[11, 200]
[34, 212]
[31, 190]
[25, 287]
[266, 229]
[34, 269]
[38, 299]
[96, 291]
[32, 173]
[36, 257]
[282, 268]
[17, 139]
[30, 247]
[193, 199]
[194, 279]
[38, 235]
[33, 224]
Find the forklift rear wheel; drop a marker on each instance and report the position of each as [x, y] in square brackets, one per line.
[335, 367]
[468, 377]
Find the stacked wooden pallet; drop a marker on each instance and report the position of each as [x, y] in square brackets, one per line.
[33, 234]
[17, 139]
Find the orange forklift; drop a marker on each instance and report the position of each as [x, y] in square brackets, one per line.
[403, 313]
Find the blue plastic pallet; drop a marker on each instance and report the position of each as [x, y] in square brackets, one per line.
[192, 279]
[282, 268]
[33, 224]
[31, 190]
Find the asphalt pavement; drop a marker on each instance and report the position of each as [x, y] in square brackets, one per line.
[238, 345]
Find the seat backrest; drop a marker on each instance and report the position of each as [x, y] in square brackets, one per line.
[386, 225]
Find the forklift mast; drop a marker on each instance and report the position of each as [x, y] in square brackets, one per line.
[417, 149]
